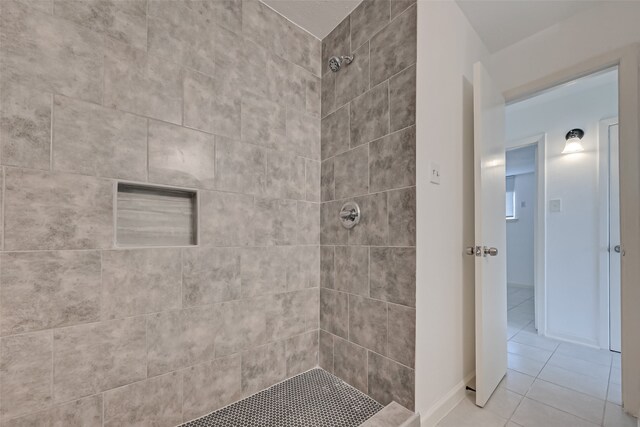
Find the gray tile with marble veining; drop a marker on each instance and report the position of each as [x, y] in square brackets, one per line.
[393, 275]
[367, 19]
[210, 275]
[351, 173]
[262, 271]
[331, 230]
[140, 83]
[227, 13]
[353, 80]
[402, 334]
[312, 180]
[392, 160]
[373, 227]
[370, 115]
[56, 211]
[335, 133]
[25, 127]
[226, 219]
[327, 180]
[50, 54]
[123, 20]
[285, 176]
[88, 359]
[240, 167]
[303, 134]
[275, 222]
[25, 373]
[313, 97]
[93, 140]
[328, 94]
[389, 381]
[263, 122]
[139, 281]
[85, 412]
[368, 323]
[402, 99]
[350, 363]
[337, 43]
[334, 312]
[301, 352]
[158, 399]
[402, 217]
[303, 267]
[352, 269]
[394, 48]
[308, 223]
[263, 366]
[399, 6]
[42, 290]
[181, 156]
[211, 385]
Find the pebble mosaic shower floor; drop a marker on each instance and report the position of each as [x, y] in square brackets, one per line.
[312, 399]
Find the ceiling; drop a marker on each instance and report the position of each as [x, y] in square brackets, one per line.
[318, 17]
[501, 23]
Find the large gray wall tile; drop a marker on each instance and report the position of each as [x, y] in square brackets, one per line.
[261, 74]
[335, 133]
[367, 19]
[331, 230]
[88, 359]
[56, 211]
[353, 80]
[139, 281]
[392, 160]
[390, 381]
[25, 373]
[140, 83]
[303, 267]
[334, 312]
[327, 267]
[328, 94]
[402, 217]
[25, 127]
[370, 115]
[327, 181]
[303, 134]
[337, 43]
[50, 54]
[402, 99]
[325, 351]
[263, 122]
[210, 275]
[181, 156]
[373, 228]
[351, 173]
[226, 219]
[393, 275]
[98, 141]
[275, 222]
[211, 385]
[312, 180]
[350, 363]
[262, 367]
[399, 6]
[42, 290]
[124, 20]
[302, 353]
[402, 334]
[244, 324]
[241, 168]
[368, 323]
[308, 223]
[156, 400]
[352, 269]
[85, 412]
[263, 271]
[285, 176]
[394, 48]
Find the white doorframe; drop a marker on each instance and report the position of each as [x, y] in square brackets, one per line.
[539, 228]
[628, 60]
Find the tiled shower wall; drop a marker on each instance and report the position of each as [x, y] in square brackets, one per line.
[367, 295]
[222, 97]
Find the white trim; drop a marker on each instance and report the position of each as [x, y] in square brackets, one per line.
[450, 400]
[539, 228]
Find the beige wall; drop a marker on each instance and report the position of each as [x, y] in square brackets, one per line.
[219, 97]
[367, 296]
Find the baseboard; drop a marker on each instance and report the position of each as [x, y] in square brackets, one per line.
[442, 407]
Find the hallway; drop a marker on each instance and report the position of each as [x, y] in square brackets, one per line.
[549, 383]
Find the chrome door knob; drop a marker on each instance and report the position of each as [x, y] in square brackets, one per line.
[617, 248]
[490, 251]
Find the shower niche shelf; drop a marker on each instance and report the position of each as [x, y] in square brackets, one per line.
[147, 215]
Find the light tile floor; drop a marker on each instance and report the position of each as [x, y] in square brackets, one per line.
[549, 383]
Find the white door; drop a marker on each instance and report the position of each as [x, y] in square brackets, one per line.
[614, 241]
[490, 230]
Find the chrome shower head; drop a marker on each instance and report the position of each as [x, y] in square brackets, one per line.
[335, 62]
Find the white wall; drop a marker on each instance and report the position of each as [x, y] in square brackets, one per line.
[613, 25]
[445, 343]
[520, 266]
[572, 235]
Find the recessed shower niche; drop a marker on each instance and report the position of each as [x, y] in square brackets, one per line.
[155, 216]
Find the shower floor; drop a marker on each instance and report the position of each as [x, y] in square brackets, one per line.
[312, 399]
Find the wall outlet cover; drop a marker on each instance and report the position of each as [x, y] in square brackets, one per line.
[555, 205]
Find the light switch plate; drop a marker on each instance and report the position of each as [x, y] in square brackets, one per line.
[555, 205]
[435, 173]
